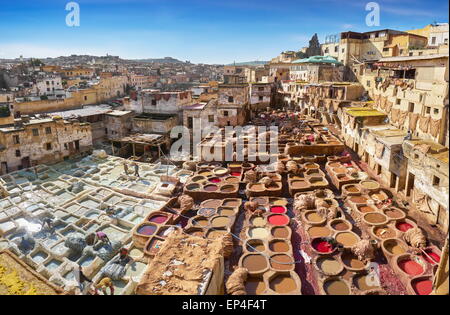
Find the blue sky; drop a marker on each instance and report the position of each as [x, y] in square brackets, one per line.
[207, 31]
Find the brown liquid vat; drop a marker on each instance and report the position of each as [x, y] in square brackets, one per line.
[153, 246]
[340, 225]
[351, 190]
[283, 283]
[215, 233]
[218, 222]
[375, 219]
[196, 231]
[383, 232]
[255, 245]
[335, 286]
[363, 209]
[394, 214]
[258, 221]
[282, 262]
[256, 264]
[319, 231]
[328, 265]
[351, 262]
[199, 221]
[281, 232]
[379, 195]
[392, 247]
[229, 188]
[255, 286]
[357, 200]
[232, 202]
[213, 203]
[313, 218]
[280, 246]
[370, 184]
[227, 211]
[347, 239]
[363, 282]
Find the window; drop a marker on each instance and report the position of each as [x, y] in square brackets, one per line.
[436, 111]
[398, 101]
[48, 146]
[65, 146]
[85, 98]
[154, 102]
[35, 132]
[326, 50]
[18, 154]
[48, 130]
[385, 49]
[225, 113]
[343, 49]
[16, 139]
[433, 40]
[336, 49]
[261, 88]
[190, 122]
[261, 98]
[436, 181]
[211, 118]
[427, 110]
[411, 107]
[230, 99]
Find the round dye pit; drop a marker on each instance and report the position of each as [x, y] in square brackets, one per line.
[364, 282]
[384, 232]
[340, 225]
[278, 209]
[410, 267]
[313, 217]
[220, 171]
[197, 179]
[258, 233]
[339, 170]
[255, 263]
[212, 203]
[210, 188]
[366, 209]
[283, 284]
[431, 256]
[369, 184]
[282, 262]
[260, 201]
[236, 174]
[336, 287]
[347, 239]
[329, 266]
[218, 222]
[279, 202]
[394, 214]
[394, 247]
[298, 184]
[352, 262]
[280, 232]
[227, 188]
[278, 219]
[255, 286]
[422, 286]
[215, 180]
[375, 218]
[258, 221]
[207, 212]
[257, 187]
[352, 189]
[232, 180]
[403, 226]
[193, 187]
[205, 173]
[158, 219]
[379, 196]
[279, 246]
[255, 246]
[319, 231]
[146, 230]
[322, 246]
[228, 212]
[358, 199]
[200, 221]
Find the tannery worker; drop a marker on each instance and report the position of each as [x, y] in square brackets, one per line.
[136, 170]
[103, 237]
[125, 168]
[103, 285]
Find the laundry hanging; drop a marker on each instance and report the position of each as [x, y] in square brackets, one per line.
[435, 126]
[424, 123]
[413, 118]
[402, 118]
[395, 113]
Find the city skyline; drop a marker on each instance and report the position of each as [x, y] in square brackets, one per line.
[200, 31]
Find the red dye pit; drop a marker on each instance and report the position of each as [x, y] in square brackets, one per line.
[322, 246]
[278, 220]
[404, 226]
[236, 174]
[277, 209]
[423, 287]
[215, 180]
[159, 219]
[431, 257]
[411, 267]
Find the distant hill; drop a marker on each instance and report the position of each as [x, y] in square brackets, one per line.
[249, 63]
[159, 60]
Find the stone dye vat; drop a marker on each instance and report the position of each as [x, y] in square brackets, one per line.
[335, 286]
[256, 264]
[283, 283]
[328, 265]
[392, 247]
[351, 262]
[347, 238]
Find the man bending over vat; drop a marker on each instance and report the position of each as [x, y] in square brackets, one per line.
[103, 285]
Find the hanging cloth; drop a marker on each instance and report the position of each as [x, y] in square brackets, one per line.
[435, 126]
[424, 123]
[413, 118]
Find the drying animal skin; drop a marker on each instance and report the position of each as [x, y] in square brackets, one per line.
[250, 177]
[186, 203]
[292, 167]
[329, 213]
[190, 166]
[415, 238]
[236, 282]
[3, 192]
[267, 181]
[250, 206]
[304, 202]
[227, 243]
[364, 250]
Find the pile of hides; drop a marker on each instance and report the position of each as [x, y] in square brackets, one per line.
[304, 202]
[267, 181]
[280, 167]
[292, 167]
[364, 250]
[227, 243]
[250, 206]
[415, 238]
[250, 177]
[236, 282]
[76, 242]
[186, 203]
